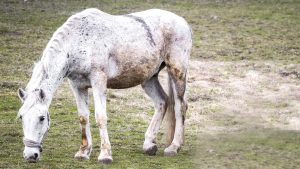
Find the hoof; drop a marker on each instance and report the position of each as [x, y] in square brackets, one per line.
[170, 153]
[83, 154]
[171, 150]
[105, 160]
[151, 151]
[80, 156]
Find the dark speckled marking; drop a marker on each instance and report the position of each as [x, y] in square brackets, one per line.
[145, 26]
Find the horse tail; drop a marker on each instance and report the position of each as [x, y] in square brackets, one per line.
[170, 114]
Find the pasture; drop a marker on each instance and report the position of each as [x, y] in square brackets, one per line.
[243, 87]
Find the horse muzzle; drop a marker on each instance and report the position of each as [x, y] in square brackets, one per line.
[32, 150]
[31, 155]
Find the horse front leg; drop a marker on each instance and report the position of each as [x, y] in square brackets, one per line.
[98, 81]
[81, 96]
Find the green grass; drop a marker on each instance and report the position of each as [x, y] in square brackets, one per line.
[233, 30]
[250, 148]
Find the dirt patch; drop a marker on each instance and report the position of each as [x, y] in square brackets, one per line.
[245, 91]
[251, 116]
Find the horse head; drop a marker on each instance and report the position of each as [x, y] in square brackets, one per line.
[35, 121]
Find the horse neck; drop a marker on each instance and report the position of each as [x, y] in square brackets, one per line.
[48, 73]
[53, 66]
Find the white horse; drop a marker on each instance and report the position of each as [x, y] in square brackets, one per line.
[97, 50]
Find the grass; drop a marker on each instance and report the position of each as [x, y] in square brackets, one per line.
[231, 123]
[251, 148]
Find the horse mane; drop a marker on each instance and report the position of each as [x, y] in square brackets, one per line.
[36, 77]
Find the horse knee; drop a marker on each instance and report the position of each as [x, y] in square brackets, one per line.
[83, 120]
[101, 121]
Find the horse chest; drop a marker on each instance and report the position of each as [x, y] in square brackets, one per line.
[81, 80]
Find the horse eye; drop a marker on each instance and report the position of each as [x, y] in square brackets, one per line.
[42, 118]
[21, 117]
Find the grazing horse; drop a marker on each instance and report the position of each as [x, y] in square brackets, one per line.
[97, 50]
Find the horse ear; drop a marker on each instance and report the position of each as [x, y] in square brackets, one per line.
[22, 94]
[42, 94]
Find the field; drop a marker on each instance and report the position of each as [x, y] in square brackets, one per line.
[243, 85]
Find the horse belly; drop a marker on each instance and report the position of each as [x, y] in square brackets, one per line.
[132, 71]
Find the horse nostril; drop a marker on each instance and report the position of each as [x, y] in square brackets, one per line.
[35, 155]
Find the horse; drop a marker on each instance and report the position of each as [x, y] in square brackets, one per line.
[96, 50]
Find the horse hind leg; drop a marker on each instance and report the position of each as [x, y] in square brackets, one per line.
[154, 90]
[177, 64]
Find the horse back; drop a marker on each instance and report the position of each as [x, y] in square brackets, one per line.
[128, 48]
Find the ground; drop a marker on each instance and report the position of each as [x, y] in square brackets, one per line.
[243, 87]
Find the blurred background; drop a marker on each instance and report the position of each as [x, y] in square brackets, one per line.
[243, 85]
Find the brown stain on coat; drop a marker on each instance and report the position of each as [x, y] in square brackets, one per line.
[134, 72]
[83, 122]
